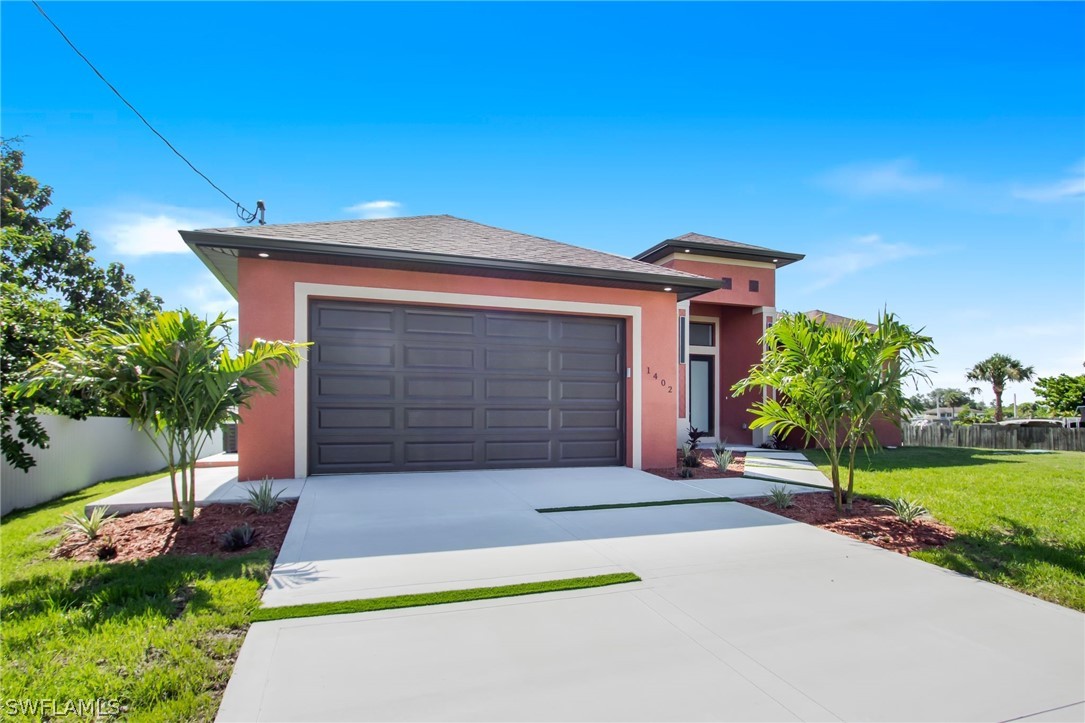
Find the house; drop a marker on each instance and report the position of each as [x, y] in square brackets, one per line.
[441, 343]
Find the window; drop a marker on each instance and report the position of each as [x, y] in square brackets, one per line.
[682, 340]
[726, 282]
[701, 334]
[755, 285]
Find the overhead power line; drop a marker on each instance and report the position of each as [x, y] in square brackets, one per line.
[243, 213]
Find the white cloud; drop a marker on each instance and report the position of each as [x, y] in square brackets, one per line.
[880, 179]
[153, 229]
[1070, 187]
[863, 252]
[207, 297]
[375, 209]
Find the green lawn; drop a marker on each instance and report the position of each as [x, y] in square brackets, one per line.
[1019, 517]
[159, 636]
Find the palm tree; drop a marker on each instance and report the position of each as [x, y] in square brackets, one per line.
[998, 370]
[175, 376]
[833, 382]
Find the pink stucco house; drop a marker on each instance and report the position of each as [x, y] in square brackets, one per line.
[441, 343]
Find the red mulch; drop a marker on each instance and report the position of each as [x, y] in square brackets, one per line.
[146, 534]
[867, 522]
[708, 468]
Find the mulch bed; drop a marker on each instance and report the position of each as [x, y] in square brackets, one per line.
[707, 470]
[867, 522]
[150, 533]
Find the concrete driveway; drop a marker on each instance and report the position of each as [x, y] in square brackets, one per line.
[742, 615]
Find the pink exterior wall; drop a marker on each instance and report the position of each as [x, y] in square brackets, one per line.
[739, 293]
[737, 351]
[266, 310]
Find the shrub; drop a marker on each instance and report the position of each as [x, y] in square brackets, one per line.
[689, 456]
[87, 525]
[907, 511]
[782, 498]
[108, 549]
[263, 499]
[238, 538]
[695, 434]
[686, 473]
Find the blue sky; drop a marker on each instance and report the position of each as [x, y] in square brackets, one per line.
[929, 158]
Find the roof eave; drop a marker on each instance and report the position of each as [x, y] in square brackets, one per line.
[684, 287]
[662, 249]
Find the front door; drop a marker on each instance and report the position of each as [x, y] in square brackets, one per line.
[701, 392]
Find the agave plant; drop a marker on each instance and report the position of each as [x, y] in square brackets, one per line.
[782, 498]
[87, 525]
[238, 538]
[263, 499]
[907, 511]
[723, 457]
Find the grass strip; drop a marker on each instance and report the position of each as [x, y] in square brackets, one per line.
[624, 505]
[439, 598]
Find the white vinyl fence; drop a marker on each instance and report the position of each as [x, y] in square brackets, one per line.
[81, 453]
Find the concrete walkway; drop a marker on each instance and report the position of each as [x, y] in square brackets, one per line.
[213, 484]
[741, 615]
[785, 467]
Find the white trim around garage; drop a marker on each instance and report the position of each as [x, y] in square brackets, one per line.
[303, 291]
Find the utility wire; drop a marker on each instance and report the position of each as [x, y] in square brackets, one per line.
[243, 213]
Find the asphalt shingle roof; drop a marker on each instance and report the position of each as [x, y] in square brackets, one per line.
[451, 236]
[700, 238]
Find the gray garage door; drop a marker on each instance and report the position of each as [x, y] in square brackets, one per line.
[396, 387]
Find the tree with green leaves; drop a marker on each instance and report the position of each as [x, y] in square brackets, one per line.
[50, 286]
[998, 370]
[1062, 394]
[832, 381]
[174, 375]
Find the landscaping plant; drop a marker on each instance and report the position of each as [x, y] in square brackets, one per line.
[689, 456]
[87, 525]
[907, 511]
[174, 375]
[998, 370]
[263, 499]
[831, 381]
[782, 498]
[723, 456]
[238, 538]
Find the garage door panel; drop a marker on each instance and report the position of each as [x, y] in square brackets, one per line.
[517, 326]
[462, 389]
[517, 389]
[353, 386]
[430, 453]
[430, 418]
[436, 322]
[429, 357]
[516, 419]
[439, 388]
[354, 355]
[330, 319]
[355, 453]
[586, 361]
[585, 450]
[518, 360]
[331, 418]
[590, 391]
[590, 418]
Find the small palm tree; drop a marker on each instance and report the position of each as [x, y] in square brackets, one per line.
[998, 370]
[175, 376]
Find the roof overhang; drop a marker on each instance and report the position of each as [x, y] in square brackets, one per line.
[672, 246]
[220, 253]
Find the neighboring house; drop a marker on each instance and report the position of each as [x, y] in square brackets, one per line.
[441, 343]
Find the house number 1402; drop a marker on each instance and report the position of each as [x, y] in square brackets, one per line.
[662, 382]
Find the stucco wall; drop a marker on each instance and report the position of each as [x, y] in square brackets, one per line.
[740, 275]
[266, 291]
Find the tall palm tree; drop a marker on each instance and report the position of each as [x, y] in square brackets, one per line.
[998, 370]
